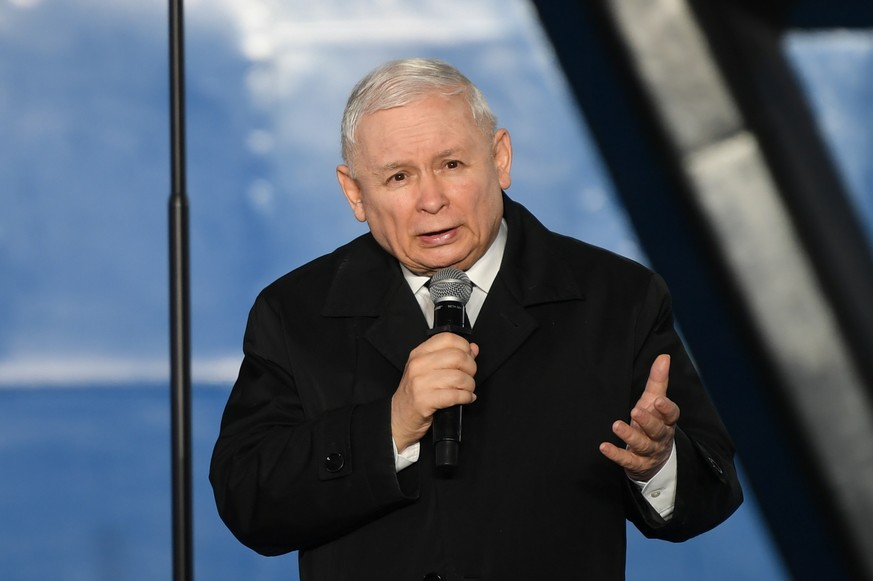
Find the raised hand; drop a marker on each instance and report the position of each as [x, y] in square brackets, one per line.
[649, 436]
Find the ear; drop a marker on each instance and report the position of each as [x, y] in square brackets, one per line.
[352, 191]
[502, 150]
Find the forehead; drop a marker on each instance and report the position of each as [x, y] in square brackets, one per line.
[429, 125]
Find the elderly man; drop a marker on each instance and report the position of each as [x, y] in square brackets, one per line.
[568, 429]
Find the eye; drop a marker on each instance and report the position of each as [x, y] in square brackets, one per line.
[398, 177]
[453, 164]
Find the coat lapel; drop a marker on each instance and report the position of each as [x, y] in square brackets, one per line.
[502, 327]
[392, 334]
[369, 284]
[530, 274]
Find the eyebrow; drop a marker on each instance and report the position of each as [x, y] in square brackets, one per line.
[449, 152]
[392, 165]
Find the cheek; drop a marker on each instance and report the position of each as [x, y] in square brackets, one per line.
[386, 226]
[490, 209]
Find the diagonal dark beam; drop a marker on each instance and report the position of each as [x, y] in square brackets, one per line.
[750, 54]
[727, 198]
[816, 14]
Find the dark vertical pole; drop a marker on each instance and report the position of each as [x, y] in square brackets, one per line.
[180, 336]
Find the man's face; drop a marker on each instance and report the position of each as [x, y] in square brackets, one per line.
[428, 183]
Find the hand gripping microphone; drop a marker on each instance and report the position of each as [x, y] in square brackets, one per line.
[450, 289]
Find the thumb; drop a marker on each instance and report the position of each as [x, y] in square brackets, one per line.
[659, 376]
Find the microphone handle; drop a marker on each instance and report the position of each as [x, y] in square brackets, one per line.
[447, 437]
[448, 318]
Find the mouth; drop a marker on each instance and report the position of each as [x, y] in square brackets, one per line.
[437, 237]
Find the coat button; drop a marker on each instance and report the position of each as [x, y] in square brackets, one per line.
[431, 577]
[334, 462]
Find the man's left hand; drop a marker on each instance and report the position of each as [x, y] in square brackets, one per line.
[649, 436]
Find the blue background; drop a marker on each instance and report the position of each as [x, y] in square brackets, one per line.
[84, 183]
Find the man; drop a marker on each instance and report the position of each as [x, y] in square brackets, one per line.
[568, 427]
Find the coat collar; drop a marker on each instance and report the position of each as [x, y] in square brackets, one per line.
[365, 278]
[369, 283]
[533, 271]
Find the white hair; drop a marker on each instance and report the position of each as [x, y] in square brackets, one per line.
[401, 82]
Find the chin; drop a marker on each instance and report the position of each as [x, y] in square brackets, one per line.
[435, 264]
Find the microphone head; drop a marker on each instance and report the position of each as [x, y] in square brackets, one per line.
[450, 284]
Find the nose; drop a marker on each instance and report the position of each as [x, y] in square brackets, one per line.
[431, 197]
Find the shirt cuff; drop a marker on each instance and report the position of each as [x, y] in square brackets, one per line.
[660, 491]
[407, 457]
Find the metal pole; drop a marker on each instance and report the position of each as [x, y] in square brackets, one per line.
[180, 336]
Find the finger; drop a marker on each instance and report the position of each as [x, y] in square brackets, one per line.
[428, 360]
[443, 341]
[614, 453]
[436, 391]
[451, 359]
[651, 425]
[627, 460]
[453, 380]
[457, 395]
[668, 410]
[635, 439]
[427, 389]
[641, 453]
[659, 376]
[663, 410]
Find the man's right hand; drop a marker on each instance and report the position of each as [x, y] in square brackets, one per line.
[439, 374]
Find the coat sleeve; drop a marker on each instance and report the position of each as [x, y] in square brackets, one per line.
[708, 490]
[286, 476]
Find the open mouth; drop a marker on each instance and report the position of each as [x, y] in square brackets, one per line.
[437, 236]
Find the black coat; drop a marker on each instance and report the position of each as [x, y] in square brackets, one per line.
[567, 336]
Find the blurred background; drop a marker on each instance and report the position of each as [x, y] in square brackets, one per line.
[84, 183]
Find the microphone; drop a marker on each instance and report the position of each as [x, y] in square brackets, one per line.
[450, 289]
